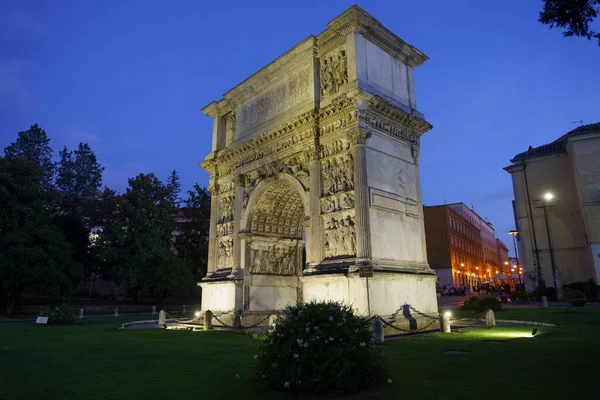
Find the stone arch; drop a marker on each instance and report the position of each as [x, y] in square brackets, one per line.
[273, 224]
[263, 186]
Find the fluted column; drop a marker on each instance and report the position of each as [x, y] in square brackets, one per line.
[315, 239]
[212, 232]
[415, 154]
[237, 221]
[361, 195]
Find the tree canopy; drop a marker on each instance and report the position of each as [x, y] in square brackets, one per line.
[573, 15]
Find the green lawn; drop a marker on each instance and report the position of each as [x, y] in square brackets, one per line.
[97, 361]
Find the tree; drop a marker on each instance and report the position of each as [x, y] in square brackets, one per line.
[174, 188]
[34, 254]
[573, 15]
[78, 181]
[136, 240]
[192, 242]
[33, 145]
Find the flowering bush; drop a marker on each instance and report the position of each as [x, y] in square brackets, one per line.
[318, 347]
[59, 315]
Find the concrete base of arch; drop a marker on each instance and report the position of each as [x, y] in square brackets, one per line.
[384, 294]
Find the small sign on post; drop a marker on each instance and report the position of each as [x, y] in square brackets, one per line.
[41, 320]
[365, 272]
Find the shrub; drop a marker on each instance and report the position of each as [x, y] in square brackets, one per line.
[588, 288]
[59, 315]
[575, 295]
[520, 296]
[475, 304]
[319, 347]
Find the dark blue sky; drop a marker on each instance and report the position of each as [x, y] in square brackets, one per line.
[130, 77]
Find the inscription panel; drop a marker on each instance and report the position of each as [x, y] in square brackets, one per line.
[393, 203]
[274, 102]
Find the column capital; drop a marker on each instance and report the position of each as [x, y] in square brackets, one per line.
[213, 189]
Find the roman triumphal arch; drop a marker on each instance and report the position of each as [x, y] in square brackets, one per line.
[314, 175]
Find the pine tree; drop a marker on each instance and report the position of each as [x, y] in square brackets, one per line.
[174, 188]
[33, 145]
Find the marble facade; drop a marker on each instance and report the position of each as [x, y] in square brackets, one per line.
[314, 171]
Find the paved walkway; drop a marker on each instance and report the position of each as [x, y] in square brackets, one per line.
[457, 301]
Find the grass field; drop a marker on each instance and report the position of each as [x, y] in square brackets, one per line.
[95, 360]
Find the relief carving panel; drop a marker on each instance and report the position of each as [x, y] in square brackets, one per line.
[225, 229]
[273, 259]
[226, 209]
[338, 174]
[340, 237]
[334, 73]
[344, 201]
[225, 253]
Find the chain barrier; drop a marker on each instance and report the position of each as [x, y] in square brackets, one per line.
[223, 323]
[422, 314]
[242, 327]
[463, 321]
[169, 316]
[412, 331]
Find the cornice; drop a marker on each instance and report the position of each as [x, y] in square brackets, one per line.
[301, 128]
[413, 125]
[357, 20]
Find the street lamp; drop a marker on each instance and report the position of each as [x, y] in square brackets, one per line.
[514, 234]
[547, 198]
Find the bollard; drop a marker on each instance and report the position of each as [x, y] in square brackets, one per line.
[116, 312]
[490, 318]
[81, 313]
[153, 310]
[162, 317]
[208, 320]
[378, 331]
[445, 323]
[544, 302]
[184, 309]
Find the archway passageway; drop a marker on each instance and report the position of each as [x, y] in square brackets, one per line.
[273, 256]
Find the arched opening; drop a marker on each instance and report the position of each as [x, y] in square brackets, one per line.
[274, 245]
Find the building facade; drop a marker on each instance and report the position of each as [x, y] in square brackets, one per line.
[502, 255]
[488, 237]
[557, 206]
[454, 247]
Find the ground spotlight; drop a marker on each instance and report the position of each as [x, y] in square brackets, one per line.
[448, 314]
[534, 332]
[197, 314]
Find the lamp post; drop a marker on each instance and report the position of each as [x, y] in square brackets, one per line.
[548, 197]
[514, 234]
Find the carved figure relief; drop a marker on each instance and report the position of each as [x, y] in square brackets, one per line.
[273, 259]
[225, 253]
[225, 229]
[338, 174]
[331, 204]
[226, 209]
[340, 237]
[232, 123]
[334, 73]
[335, 147]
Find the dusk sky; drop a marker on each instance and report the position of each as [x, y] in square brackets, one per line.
[130, 77]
